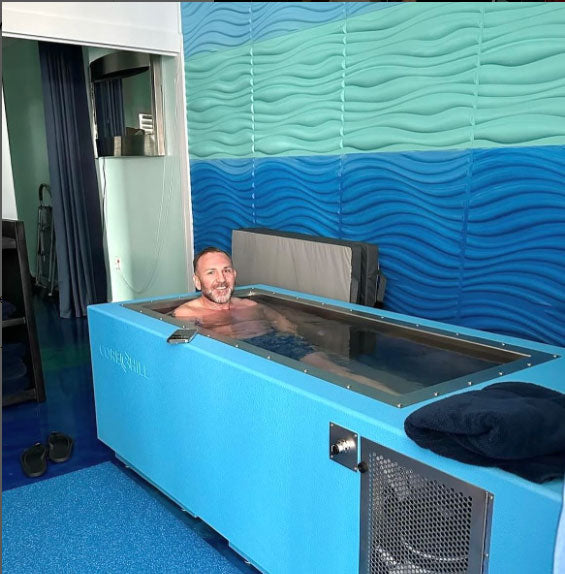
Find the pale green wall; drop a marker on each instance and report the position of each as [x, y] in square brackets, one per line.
[144, 222]
[9, 209]
[26, 129]
[144, 211]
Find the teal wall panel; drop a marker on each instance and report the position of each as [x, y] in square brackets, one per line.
[215, 26]
[297, 93]
[219, 105]
[412, 77]
[521, 91]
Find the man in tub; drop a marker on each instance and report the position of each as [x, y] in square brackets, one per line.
[218, 311]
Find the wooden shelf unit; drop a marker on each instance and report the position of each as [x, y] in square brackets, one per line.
[20, 327]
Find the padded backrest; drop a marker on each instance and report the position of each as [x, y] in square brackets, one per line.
[333, 268]
[296, 262]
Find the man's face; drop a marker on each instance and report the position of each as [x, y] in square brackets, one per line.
[215, 277]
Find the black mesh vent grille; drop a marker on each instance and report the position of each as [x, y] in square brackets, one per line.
[416, 523]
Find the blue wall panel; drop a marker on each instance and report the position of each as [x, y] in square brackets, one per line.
[514, 273]
[471, 237]
[412, 206]
[221, 200]
[212, 26]
[307, 192]
[434, 130]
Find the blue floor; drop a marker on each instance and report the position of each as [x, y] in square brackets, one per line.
[69, 408]
[75, 523]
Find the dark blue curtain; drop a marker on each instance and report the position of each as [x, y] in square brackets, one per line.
[109, 99]
[74, 186]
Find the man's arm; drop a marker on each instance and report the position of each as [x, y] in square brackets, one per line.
[323, 361]
[279, 321]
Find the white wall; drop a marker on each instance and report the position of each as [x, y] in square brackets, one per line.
[9, 210]
[144, 26]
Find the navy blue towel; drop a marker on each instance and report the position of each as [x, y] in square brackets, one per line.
[519, 427]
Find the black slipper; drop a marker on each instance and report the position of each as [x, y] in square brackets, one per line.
[60, 447]
[34, 460]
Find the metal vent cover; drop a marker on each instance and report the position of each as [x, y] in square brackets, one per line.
[416, 519]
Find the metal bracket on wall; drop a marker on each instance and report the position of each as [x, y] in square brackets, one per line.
[343, 446]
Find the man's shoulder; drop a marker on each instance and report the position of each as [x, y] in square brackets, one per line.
[237, 302]
[188, 309]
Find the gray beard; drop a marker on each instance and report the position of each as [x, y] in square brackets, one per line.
[220, 300]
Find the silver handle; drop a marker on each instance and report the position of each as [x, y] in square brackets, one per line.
[182, 336]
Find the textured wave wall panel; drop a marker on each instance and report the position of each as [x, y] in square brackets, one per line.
[521, 95]
[307, 192]
[213, 26]
[222, 200]
[435, 130]
[297, 93]
[475, 238]
[410, 77]
[415, 76]
[220, 118]
[413, 207]
[514, 273]
[274, 19]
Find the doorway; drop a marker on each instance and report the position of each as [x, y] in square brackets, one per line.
[25, 119]
[145, 201]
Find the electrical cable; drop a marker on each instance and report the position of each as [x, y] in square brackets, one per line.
[159, 241]
[104, 194]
